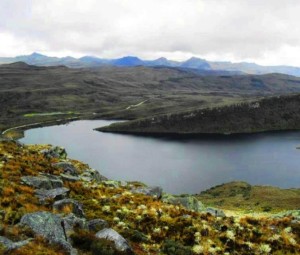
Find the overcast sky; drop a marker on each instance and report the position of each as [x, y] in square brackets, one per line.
[262, 31]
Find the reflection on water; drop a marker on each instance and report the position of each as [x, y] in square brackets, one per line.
[179, 165]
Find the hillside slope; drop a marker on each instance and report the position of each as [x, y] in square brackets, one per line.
[274, 113]
[51, 204]
[245, 197]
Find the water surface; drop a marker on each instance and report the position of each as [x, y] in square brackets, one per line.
[187, 165]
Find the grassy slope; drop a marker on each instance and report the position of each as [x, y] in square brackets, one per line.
[272, 113]
[147, 223]
[243, 196]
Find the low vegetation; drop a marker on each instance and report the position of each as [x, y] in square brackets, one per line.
[148, 224]
[268, 114]
[241, 196]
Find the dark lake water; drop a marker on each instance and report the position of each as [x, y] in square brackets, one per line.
[188, 165]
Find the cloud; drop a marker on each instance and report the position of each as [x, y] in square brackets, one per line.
[263, 31]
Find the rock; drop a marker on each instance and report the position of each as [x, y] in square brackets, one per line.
[111, 183]
[55, 152]
[43, 181]
[215, 212]
[10, 245]
[69, 178]
[97, 225]
[71, 221]
[149, 191]
[49, 226]
[188, 201]
[58, 193]
[67, 167]
[119, 241]
[75, 206]
[94, 175]
[86, 178]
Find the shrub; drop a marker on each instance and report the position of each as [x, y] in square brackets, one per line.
[103, 247]
[171, 247]
[87, 241]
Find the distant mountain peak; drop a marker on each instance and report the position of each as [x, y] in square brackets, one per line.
[36, 54]
[196, 59]
[128, 61]
[162, 58]
[196, 63]
[130, 57]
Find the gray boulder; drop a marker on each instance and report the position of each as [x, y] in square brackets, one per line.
[188, 201]
[67, 167]
[215, 212]
[112, 183]
[58, 193]
[97, 225]
[149, 191]
[69, 178]
[75, 205]
[71, 221]
[119, 241]
[42, 181]
[55, 152]
[49, 226]
[93, 175]
[10, 245]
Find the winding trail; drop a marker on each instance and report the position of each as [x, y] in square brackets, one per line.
[136, 105]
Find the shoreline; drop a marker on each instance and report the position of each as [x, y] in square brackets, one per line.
[19, 130]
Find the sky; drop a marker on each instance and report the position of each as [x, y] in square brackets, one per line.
[263, 31]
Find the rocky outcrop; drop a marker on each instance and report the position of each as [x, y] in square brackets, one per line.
[215, 212]
[45, 181]
[71, 221]
[10, 245]
[49, 226]
[97, 225]
[58, 193]
[67, 167]
[73, 205]
[69, 178]
[188, 201]
[149, 191]
[92, 175]
[120, 243]
[55, 152]
[114, 184]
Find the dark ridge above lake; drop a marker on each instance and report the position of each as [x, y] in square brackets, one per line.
[275, 113]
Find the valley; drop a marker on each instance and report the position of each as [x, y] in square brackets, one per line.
[29, 93]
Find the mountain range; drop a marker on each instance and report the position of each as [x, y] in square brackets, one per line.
[199, 65]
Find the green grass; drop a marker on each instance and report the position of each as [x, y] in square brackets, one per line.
[242, 196]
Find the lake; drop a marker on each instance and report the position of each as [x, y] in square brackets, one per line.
[185, 165]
